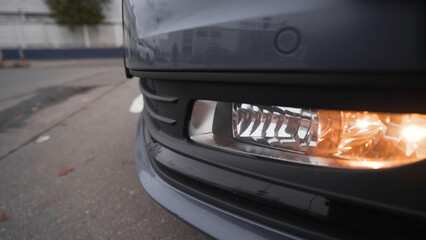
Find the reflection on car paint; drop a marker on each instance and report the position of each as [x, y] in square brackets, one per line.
[239, 35]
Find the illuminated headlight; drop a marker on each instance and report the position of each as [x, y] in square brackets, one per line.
[312, 136]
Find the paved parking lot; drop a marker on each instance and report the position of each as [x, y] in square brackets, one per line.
[66, 156]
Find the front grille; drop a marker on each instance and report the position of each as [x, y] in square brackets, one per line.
[151, 100]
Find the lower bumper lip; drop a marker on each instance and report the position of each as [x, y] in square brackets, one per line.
[200, 214]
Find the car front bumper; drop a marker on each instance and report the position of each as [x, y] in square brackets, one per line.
[216, 222]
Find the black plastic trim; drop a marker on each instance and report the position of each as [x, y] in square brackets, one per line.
[334, 226]
[271, 217]
[156, 116]
[149, 94]
[343, 184]
[401, 80]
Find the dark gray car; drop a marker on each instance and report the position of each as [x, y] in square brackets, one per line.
[283, 119]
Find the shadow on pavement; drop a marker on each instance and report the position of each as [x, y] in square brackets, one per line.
[15, 116]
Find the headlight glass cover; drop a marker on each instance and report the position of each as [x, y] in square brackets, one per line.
[333, 138]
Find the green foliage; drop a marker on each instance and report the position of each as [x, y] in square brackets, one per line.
[77, 12]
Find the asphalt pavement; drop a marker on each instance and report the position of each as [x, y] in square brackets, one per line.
[67, 167]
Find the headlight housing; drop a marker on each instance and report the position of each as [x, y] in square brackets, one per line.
[331, 138]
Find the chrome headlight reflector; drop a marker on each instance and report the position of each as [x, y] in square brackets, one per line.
[333, 138]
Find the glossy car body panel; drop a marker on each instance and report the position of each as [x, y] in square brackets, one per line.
[291, 35]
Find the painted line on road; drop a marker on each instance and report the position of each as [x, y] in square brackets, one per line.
[137, 105]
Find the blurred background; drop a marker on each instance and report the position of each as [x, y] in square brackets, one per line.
[32, 25]
[68, 120]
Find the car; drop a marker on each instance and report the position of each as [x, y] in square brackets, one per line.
[144, 52]
[283, 119]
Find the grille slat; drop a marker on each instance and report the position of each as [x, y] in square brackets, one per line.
[150, 97]
[147, 92]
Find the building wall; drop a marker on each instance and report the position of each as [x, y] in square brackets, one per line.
[26, 24]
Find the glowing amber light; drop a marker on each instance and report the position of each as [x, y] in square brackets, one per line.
[380, 139]
[362, 139]
[413, 134]
[364, 123]
[332, 138]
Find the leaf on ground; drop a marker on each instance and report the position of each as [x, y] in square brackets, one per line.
[65, 171]
[48, 121]
[34, 109]
[89, 160]
[4, 216]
